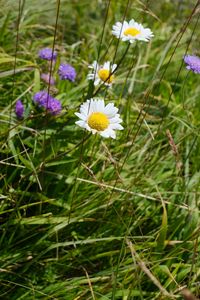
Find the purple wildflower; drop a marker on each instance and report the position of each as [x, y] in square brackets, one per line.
[193, 63]
[67, 72]
[48, 54]
[46, 78]
[52, 105]
[19, 109]
[42, 98]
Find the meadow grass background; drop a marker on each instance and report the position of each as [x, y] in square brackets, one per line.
[83, 217]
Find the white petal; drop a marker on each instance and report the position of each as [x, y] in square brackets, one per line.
[134, 24]
[113, 134]
[100, 106]
[119, 24]
[106, 66]
[114, 66]
[110, 110]
[91, 106]
[81, 116]
[116, 126]
[115, 119]
[105, 133]
[124, 27]
[125, 38]
[108, 133]
[97, 81]
[81, 124]
[107, 84]
[84, 109]
[93, 131]
[125, 24]
[91, 76]
[94, 65]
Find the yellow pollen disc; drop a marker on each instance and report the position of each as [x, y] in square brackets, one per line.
[105, 76]
[98, 121]
[131, 31]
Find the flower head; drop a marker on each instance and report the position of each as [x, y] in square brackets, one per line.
[97, 117]
[46, 78]
[42, 98]
[54, 107]
[192, 62]
[48, 54]
[67, 72]
[46, 101]
[102, 74]
[19, 109]
[131, 31]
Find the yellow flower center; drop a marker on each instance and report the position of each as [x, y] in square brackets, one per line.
[98, 121]
[105, 76]
[131, 31]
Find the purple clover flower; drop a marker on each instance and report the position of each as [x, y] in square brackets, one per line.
[67, 72]
[193, 63]
[48, 54]
[19, 109]
[46, 101]
[46, 77]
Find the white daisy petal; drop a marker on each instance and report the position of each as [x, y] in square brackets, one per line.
[106, 65]
[125, 24]
[81, 124]
[93, 131]
[97, 81]
[112, 134]
[116, 119]
[94, 65]
[110, 110]
[114, 67]
[108, 133]
[119, 24]
[97, 118]
[84, 109]
[93, 74]
[93, 106]
[100, 105]
[90, 76]
[81, 116]
[105, 133]
[116, 126]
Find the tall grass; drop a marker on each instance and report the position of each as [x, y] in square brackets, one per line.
[84, 217]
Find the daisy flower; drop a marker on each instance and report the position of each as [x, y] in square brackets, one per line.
[97, 117]
[193, 63]
[102, 74]
[131, 31]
